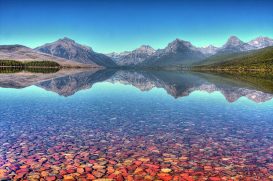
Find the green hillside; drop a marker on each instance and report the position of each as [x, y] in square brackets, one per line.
[255, 60]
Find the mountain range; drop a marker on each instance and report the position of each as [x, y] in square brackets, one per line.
[180, 52]
[176, 53]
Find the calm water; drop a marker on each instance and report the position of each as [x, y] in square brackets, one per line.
[130, 125]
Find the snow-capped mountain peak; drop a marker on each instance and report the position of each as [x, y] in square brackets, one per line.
[208, 50]
[132, 57]
[234, 44]
[145, 49]
[234, 41]
[261, 42]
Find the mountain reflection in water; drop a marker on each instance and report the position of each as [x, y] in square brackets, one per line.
[177, 84]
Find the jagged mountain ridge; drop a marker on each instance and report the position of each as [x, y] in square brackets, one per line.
[180, 52]
[23, 53]
[134, 57]
[208, 50]
[69, 49]
[261, 42]
[233, 45]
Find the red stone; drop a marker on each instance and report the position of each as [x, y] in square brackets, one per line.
[90, 176]
[119, 178]
[51, 178]
[19, 175]
[176, 178]
[80, 170]
[88, 169]
[137, 162]
[112, 176]
[63, 172]
[97, 174]
[130, 178]
[71, 170]
[92, 161]
[112, 162]
[152, 166]
[151, 172]
[22, 170]
[124, 172]
[186, 177]
[215, 179]
[164, 176]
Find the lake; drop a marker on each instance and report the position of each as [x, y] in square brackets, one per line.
[135, 125]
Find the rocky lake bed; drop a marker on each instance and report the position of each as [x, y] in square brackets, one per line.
[134, 125]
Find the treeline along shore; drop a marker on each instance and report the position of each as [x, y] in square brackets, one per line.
[23, 64]
[13, 66]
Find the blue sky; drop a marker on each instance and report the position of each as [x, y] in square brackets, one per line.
[120, 25]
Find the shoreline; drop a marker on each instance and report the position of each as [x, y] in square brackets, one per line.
[194, 69]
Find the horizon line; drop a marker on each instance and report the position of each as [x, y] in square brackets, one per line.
[84, 44]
